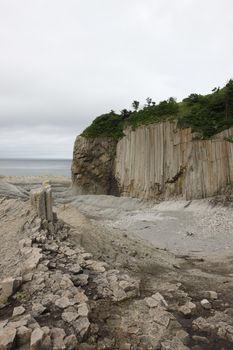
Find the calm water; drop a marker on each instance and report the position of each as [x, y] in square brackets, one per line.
[30, 167]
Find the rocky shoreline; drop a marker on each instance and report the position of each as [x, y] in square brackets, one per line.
[61, 296]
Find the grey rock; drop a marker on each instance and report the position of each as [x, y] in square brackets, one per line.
[37, 309]
[7, 338]
[206, 304]
[9, 286]
[199, 339]
[23, 335]
[71, 342]
[188, 309]
[19, 310]
[83, 310]
[66, 282]
[80, 280]
[37, 337]
[57, 336]
[63, 302]
[81, 326]
[151, 302]
[3, 324]
[75, 269]
[211, 295]
[33, 258]
[160, 299]
[69, 317]
[183, 336]
[47, 343]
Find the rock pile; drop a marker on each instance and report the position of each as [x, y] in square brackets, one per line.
[51, 309]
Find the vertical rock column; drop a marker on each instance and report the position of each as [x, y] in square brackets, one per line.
[41, 200]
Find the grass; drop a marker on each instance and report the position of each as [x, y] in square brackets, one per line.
[204, 114]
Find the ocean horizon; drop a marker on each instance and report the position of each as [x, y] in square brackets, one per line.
[34, 167]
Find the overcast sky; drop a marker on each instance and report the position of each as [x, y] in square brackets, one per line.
[63, 62]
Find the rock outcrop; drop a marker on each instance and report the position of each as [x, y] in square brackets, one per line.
[157, 160]
[93, 166]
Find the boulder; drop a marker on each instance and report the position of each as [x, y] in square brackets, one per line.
[8, 287]
[37, 337]
[57, 336]
[23, 335]
[7, 338]
[19, 310]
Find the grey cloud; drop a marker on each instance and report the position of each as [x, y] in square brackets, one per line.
[62, 62]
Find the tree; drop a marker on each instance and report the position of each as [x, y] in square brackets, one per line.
[171, 100]
[149, 101]
[125, 113]
[229, 99]
[135, 105]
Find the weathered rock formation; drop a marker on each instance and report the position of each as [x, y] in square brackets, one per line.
[93, 166]
[157, 160]
[41, 200]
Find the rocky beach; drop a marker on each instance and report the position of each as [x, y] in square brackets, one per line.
[87, 278]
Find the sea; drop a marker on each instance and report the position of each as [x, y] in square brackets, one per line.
[34, 167]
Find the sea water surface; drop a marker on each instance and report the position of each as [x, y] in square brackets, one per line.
[34, 167]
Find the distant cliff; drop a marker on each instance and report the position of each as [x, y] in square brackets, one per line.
[157, 160]
[93, 166]
[159, 150]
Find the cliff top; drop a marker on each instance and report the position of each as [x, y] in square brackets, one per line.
[204, 114]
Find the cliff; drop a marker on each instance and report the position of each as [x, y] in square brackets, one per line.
[157, 160]
[93, 165]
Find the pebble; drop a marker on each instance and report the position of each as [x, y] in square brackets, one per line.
[206, 304]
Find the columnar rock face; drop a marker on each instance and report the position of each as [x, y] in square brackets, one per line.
[157, 160]
[41, 200]
[163, 160]
[93, 165]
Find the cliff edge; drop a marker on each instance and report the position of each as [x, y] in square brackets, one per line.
[154, 161]
[170, 149]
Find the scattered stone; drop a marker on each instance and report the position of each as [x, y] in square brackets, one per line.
[205, 304]
[3, 324]
[37, 309]
[174, 344]
[7, 338]
[80, 280]
[58, 335]
[27, 242]
[199, 339]
[63, 302]
[183, 336]
[9, 286]
[71, 342]
[83, 310]
[66, 282]
[34, 256]
[86, 256]
[36, 339]
[151, 302]
[69, 317]
[211, 295]
[52, 265]
[96, 266]
[75, 269]
[28, 277]
[47, 343]
[19, 310]
[51, 247]
[188, 309]
[81, 326]
[160, 299]
[23, 335]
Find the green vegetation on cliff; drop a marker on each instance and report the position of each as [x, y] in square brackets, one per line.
[205, 114]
